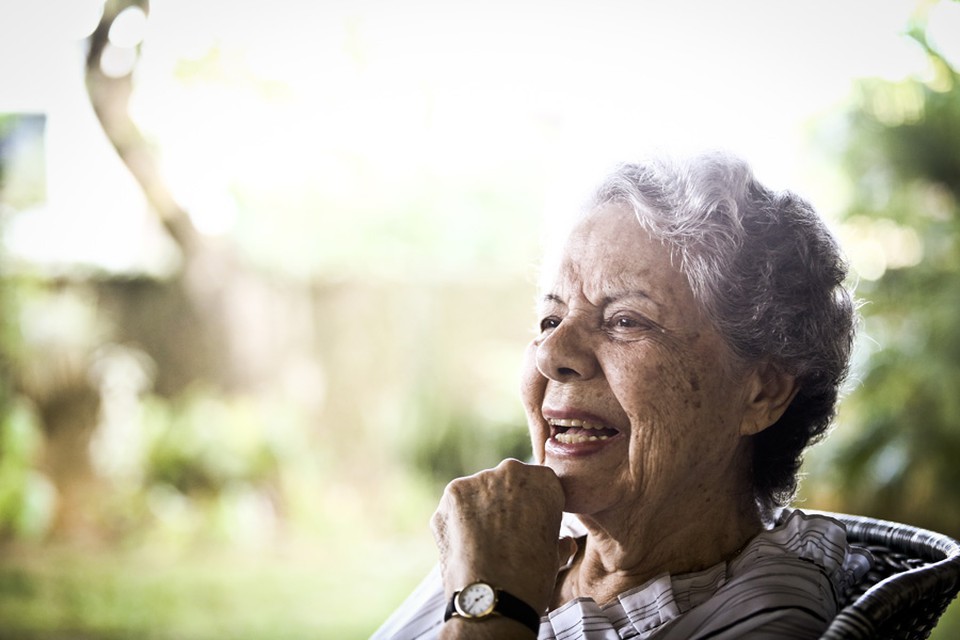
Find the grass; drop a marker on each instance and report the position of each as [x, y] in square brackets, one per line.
[77, 593]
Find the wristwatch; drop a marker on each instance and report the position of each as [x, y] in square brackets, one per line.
[479, 600]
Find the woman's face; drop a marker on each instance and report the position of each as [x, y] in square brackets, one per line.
[631, 397]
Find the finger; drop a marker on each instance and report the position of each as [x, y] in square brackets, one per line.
[566, 549]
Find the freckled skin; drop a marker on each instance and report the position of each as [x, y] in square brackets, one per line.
[667, 489]
[622, 338]
[658, 384]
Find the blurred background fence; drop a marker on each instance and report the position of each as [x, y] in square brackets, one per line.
[268, 272]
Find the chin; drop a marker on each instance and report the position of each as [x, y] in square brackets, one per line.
[581, 495]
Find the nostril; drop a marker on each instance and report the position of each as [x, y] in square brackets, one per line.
[566, 372]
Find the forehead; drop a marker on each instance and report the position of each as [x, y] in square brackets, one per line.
[608, 249]
[611, 227]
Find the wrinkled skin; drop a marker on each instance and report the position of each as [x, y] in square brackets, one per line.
[664, 485]
[501, 525]
[622, 341]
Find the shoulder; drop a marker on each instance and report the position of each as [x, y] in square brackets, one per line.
[811, 539]
[787, 583]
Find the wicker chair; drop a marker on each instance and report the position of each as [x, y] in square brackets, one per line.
[917, 574]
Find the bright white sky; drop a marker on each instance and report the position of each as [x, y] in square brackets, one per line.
[553, 91]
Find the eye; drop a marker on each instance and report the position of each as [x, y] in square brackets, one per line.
[550, 322]
[621, 322]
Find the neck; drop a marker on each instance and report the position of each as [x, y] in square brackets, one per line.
[626, 550]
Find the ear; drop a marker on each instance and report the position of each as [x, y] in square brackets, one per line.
[769, 392]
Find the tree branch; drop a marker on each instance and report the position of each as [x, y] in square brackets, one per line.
[110, 98]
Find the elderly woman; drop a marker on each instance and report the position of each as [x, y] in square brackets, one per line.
[692, 337]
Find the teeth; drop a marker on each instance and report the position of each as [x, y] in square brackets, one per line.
[583, 424]
[577, 438]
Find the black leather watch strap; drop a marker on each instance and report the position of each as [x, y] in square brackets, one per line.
[508, 606]
[451, 607]
[512, 607]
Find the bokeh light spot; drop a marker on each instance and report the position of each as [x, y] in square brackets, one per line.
[117, 62]
[128, 28]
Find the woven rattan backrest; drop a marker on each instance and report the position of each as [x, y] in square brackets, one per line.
[915, 577]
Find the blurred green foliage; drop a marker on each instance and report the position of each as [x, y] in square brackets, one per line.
[25, 496]
[202, 444]
[457, 441]
[895, 456]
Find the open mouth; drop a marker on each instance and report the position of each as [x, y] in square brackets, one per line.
[577, 431]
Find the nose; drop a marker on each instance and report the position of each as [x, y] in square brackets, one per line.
[566, 353]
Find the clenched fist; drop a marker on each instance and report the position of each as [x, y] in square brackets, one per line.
[501, 525]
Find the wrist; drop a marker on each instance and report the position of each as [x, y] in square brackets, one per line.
[481, 601]
[536, 594]
[492, 629]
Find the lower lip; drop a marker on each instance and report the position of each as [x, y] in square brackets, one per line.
[589, 447]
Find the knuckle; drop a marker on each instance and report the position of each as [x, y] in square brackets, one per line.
[511, 466]
[454, 488]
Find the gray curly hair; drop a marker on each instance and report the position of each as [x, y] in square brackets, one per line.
[768, 275]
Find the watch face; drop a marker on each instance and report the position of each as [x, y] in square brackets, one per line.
[476, 600]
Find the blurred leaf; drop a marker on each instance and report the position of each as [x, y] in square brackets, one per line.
[898, 459]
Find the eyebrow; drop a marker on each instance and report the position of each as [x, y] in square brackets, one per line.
[633, 293]
[607, 300]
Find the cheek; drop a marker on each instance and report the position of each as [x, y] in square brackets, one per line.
[691, 409]
[532, 383]
[658, 383]
[671, 398]
[533, 386]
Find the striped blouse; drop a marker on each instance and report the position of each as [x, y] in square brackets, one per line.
[786, 583]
